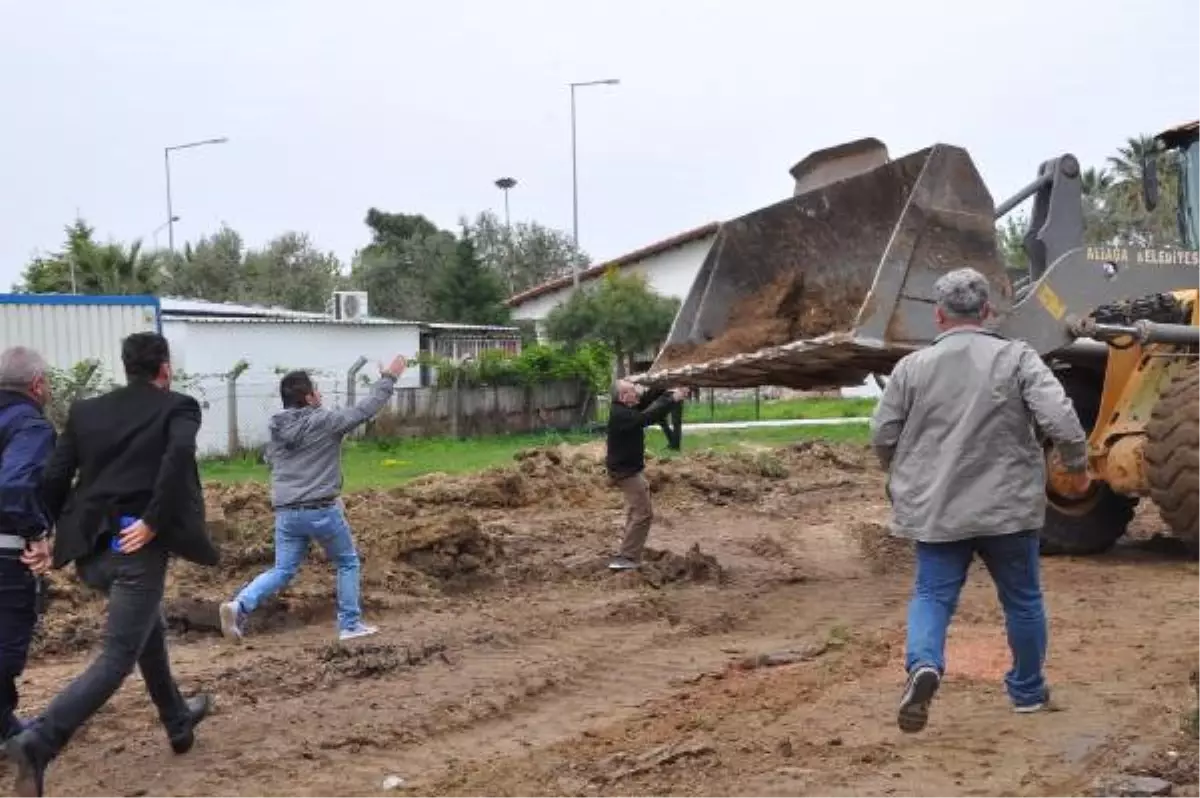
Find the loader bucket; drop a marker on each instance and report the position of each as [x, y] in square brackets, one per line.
[836, 283]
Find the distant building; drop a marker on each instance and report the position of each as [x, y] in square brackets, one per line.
[208, 339]
[669, 266]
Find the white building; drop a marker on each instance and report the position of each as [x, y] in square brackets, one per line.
[669, 266]
[208, 340]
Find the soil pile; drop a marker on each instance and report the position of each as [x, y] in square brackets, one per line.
[442, 534]
[787, 309]
[880, 549]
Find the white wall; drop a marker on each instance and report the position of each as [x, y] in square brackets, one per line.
[209, 349]
[669, 273]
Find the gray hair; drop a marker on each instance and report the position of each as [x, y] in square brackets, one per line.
[962, 294]
[19, 367]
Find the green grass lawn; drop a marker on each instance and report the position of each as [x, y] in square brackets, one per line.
[384, 464]
[700, 411]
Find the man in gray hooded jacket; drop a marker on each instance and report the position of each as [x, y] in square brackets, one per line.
[305, 457]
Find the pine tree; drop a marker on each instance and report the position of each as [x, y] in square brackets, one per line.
[467, 292]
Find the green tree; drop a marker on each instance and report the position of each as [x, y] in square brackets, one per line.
[86, 267]
[1010, 238]
[210, 269]
[467, 291]
[400, 266]
[290, 272]
[1134, 225]
[621, 312]
[524, 254]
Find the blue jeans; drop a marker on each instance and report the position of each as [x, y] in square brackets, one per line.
[293, 531]
[1012, 561]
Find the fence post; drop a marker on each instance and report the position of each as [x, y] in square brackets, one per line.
[455, 405]
[351, 378]
[352, 393]
[231, 402]
[757, 403]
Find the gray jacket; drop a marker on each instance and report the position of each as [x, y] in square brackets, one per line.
[305, 449]
[955, 431]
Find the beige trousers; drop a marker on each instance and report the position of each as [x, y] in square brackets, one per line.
[638, 515]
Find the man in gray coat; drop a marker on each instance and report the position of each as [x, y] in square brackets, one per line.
[305, 456]
[966, 476]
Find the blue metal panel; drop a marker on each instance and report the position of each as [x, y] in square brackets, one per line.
[76, 299]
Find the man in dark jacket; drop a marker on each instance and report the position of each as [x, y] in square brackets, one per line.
[137, 501]
[26, 440]
[626, 460]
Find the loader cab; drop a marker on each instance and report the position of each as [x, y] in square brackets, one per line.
[1183, 144]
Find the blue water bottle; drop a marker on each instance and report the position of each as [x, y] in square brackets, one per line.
[125, 522]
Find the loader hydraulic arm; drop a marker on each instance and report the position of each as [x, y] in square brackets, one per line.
[1051, 315]
[1142, 331]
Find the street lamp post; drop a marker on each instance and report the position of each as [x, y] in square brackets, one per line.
[575, 165]
[154, 233]
[504, 184]
[171, 217]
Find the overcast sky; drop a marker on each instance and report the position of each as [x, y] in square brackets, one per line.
[411, 106]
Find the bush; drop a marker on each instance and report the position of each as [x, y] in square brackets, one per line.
[81, 381]
[85, 379]
[537, 364]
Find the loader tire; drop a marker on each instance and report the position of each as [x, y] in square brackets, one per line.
[1094, 523]
[1172, 456]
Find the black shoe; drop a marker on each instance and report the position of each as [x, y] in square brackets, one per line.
[198, 707]
[31, 768]
[918, 695]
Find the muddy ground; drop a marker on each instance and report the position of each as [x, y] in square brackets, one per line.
[759, 653]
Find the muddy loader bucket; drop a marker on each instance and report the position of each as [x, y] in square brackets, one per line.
[836, 283]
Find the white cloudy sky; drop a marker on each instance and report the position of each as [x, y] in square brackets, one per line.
[418, 106]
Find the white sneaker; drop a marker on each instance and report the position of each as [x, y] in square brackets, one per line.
[231, 620]
[359, 629]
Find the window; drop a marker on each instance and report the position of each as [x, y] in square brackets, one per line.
[1189, 195]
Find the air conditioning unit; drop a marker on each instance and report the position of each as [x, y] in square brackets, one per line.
[350, 305]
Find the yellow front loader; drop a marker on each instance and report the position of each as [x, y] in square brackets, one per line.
[835, 284]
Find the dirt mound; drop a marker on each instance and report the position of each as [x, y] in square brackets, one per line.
[547, 477]
[665, 567]
[441, 534]
[880, 549]
[452, 547]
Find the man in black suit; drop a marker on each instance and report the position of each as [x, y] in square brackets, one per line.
[137, 501]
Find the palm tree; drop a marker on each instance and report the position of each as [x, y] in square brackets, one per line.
[1099, 225]
[1135, 225]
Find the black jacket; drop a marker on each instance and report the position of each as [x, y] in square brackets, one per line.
[626, 454]
[134, 451]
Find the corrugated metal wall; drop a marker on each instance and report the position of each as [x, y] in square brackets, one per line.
[68, 330]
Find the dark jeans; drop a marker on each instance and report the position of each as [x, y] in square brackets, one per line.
[1012, 561]
[18, 616]
[135, 634]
